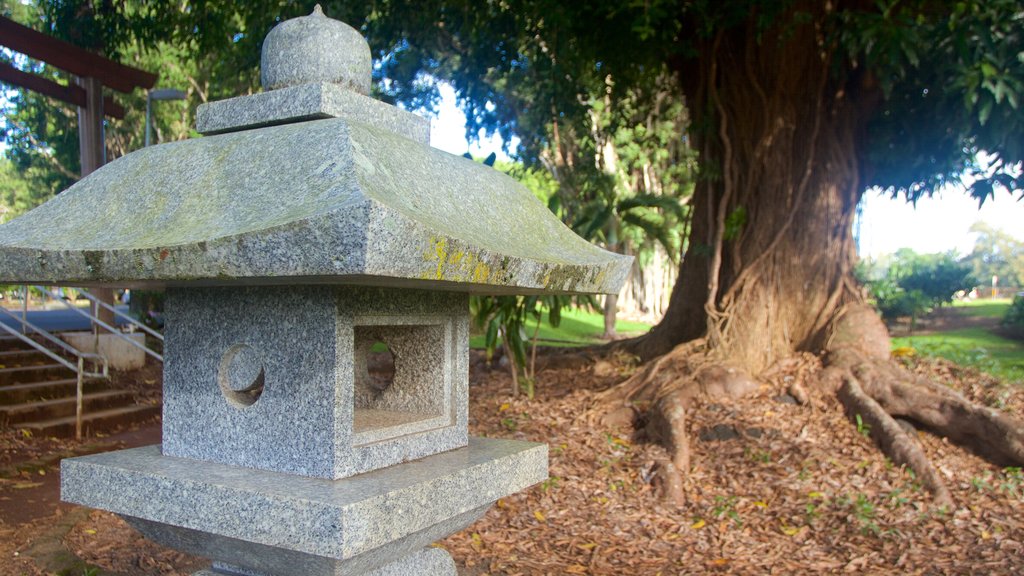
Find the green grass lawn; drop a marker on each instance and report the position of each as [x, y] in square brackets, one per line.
[991, 308]
[975, 347]
[577, 328]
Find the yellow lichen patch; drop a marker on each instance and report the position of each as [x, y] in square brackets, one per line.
[450, 263]
[437, 253]
[481, 272]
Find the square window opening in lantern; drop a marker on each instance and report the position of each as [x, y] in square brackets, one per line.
[402, 377]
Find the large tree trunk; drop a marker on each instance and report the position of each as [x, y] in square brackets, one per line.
[768, 269]
[771, 250]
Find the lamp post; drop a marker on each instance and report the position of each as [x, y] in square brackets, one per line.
[159, 94]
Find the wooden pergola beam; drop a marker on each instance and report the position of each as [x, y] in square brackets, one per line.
[70, 94]
[71, 58]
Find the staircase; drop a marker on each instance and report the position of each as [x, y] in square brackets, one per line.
[39, 395]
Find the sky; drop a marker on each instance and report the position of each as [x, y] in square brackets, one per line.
[448, 129]
[937, 224]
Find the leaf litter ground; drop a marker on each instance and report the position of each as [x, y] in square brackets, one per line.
[775, 488]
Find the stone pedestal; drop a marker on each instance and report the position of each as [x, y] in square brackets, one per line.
[263, 523]
[426, 562]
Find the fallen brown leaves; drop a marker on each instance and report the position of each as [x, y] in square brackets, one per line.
[103, 539]
[796, 490]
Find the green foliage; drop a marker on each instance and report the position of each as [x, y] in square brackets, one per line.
[1015, 314]
[594, 90]
[997, 253]
[863, 428]
[909, 284]
[726, 507]
[936, 276]
[1013, 482]
[734, 223]
[864, 513]
[147, 306]
[901, 304]
[958, 62]
[578, 326]
[522, 66]
[629, 204]
[505, 321]
[17, 195]
[41, 134]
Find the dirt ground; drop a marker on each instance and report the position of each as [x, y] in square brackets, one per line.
[775, 488]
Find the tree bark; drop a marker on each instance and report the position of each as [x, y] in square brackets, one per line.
[771, 249]
[611, 306]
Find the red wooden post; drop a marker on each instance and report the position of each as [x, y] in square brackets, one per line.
[92, 152]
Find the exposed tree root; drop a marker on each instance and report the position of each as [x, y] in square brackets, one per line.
[859, 375]
[664, 390]
[666, 424]
[990, 433]
[892, 438]
[872, 386]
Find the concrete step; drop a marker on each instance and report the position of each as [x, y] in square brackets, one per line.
[40, 410]
[11, 343]
[12, 358]
[6, 339]
[47, 390]
[33, 373]
[92, 422]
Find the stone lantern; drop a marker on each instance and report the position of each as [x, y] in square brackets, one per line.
[311, 225]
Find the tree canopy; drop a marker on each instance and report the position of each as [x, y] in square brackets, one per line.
[997, 253]
[519, 66]
[944, 80]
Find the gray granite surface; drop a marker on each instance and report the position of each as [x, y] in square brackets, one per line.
[315, 48]
[337, 519]
[234, 556]
[429, 561]
[316, 414]
[329, 201]
[308, 102]
[284, 453]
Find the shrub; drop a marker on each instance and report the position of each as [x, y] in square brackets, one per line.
[1015, 315]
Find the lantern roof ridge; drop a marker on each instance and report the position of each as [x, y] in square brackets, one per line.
[311, 67]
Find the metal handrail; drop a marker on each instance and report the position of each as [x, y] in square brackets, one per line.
[117, 312]
[96, 358]
[79, 369]
[95, 320]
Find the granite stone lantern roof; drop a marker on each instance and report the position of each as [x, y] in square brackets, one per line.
[311, 181]
[312, 232]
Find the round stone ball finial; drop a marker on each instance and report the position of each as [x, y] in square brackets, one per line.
[315, 48]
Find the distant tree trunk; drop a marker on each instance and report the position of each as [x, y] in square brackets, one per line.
[611, 305]
[771, 249]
